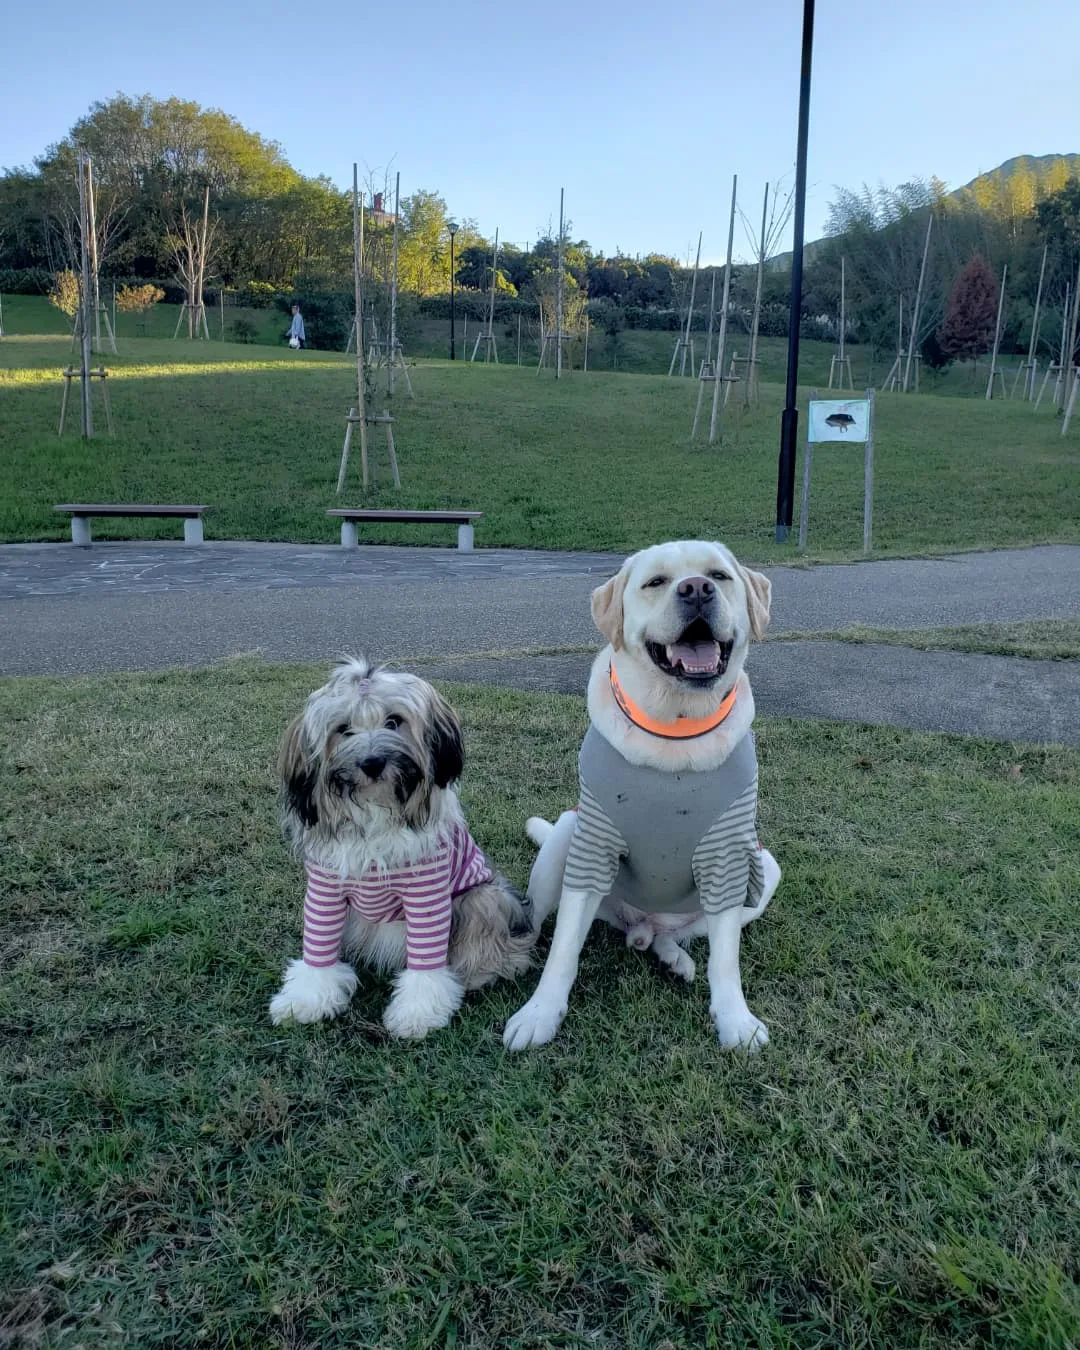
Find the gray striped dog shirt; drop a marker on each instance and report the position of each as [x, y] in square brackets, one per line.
[667, 842]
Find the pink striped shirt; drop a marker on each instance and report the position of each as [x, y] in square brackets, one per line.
[421, 893]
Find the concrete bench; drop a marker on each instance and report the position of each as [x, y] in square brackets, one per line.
[81, 512]
[462, 519]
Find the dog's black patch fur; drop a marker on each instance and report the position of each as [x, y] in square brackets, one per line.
[445, 746]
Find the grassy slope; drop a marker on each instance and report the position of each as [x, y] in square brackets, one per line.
[898, 1168]
[603, 462]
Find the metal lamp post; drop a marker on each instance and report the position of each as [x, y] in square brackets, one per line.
[451, 225]
[789, 426]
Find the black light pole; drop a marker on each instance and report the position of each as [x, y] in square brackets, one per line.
[451, 225]
[789, 424]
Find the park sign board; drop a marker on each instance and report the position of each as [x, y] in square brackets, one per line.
[839, 420]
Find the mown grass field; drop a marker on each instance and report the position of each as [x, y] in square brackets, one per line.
[633, 351]
[603, 462]
[32, 315]
[897, 1169]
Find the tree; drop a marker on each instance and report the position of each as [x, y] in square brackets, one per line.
[1058, 217]
[138, 299]
[881, 234]
[66, 293]
[191, 238]
[153, 161]
[971, 312]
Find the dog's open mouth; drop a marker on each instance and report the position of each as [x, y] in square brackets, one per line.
[696, 656]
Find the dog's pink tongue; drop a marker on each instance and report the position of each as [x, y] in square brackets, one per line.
[696, 658]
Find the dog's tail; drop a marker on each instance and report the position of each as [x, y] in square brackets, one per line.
[538, 829]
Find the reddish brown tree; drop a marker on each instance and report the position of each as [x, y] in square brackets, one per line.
[971, 314]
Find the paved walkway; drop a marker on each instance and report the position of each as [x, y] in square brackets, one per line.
[136, 607]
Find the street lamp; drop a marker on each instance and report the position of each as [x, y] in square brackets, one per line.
[451, 225]
[789, 425]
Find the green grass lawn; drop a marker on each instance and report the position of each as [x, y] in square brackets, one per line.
[1039, 639]
[603, 462]
[32, 315]
[634, 351]
[897, 1169]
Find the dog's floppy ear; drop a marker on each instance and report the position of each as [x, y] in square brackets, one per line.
[607, 608]
[758, 600]
[299, 772]
[444, 743]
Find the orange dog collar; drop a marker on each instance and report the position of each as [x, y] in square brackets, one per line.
[683, 728]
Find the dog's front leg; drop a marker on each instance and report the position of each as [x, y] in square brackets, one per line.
[423, 1001]
[735, 1024]
[538, 1021]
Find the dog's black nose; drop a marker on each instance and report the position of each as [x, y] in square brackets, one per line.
[696, 588]
[372, 766]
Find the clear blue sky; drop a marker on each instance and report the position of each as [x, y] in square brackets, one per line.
[642, 112]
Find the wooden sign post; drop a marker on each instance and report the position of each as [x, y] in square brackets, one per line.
[850, 420]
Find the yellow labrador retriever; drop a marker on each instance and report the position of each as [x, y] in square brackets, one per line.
[663, 843]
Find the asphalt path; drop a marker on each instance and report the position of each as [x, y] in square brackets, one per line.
[67, 611]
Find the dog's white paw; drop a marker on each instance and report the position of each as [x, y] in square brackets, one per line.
[533, 1024]
[424, 1000]
[675, 958]
[681, 963]
[313, 993]
[738, 1027]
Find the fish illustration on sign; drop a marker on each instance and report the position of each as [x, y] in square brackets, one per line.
[841, 420]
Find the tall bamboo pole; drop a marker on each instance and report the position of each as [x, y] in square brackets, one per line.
[85, 300]
[712, 315]
[690, 310]
[914, 335]
[489, 340]
[392, 353]
[360, 410]
[1060, 381]
[751, 371]
[200, 317]
[559, 294]
[1029, 391]
[997, 335]
[843, 302]
[721, 340]
[1070, 351]
[92, 225]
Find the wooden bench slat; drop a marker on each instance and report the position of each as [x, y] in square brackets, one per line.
[119, 509]
[419, 517]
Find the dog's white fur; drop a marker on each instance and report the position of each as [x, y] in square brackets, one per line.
[346, 822]
[630, 613]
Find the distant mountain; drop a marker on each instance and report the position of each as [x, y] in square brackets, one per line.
[1044, 168]
[1024, 179]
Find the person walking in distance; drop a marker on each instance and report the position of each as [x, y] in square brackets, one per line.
[296, 336]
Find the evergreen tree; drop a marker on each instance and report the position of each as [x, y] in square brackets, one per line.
[971, 313]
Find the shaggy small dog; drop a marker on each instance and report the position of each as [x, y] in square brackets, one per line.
[394, 878]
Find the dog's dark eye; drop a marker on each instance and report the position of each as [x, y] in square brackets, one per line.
[342, 729]
[656, 581]
[719, 576]
[392, 722]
